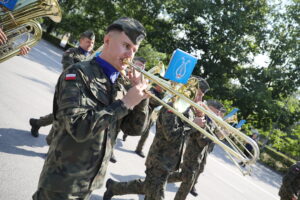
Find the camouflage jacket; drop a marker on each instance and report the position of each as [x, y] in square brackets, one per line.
[87, 111]
[72, 56]
[166, 150]
[291, 183]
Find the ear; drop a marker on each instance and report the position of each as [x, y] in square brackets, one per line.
[106, 39]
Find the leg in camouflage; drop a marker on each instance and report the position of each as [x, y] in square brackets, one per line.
[42, 194]
[37, 123]
[155, 184]
[185, 186]
[114, 188]
[175, 177]
[144, 136]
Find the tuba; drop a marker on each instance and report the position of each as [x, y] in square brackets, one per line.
[19, 24]
[234, 148]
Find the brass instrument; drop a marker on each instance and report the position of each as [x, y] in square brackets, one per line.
[236, 153]
[19, 23]
[31, 30]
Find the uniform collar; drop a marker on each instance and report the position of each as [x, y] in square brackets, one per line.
[108, 69]
[84, 52]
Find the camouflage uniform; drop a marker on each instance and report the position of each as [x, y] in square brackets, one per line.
[152, 104]
[194, 159]
[71, 56]
[87, 112]
[291, 183]
[164, 157]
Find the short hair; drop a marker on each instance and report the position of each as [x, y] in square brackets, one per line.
[141, 59]
[88, 34]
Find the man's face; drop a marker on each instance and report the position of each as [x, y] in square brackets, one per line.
[117, 48]
[86, 44]
[199, 96]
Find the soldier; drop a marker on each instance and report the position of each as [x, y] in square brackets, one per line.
[139, 61]
[163, 157]
[290, 188]
[157, 91]
[71, 56]
[194, 159]
[89, 104]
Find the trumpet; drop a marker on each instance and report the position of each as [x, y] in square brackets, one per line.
[236, 153]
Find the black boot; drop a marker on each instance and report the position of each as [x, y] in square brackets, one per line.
[34, 127]
[140, 153]
[124, 137]
[113, 158]
[193, 191]
[108, 193]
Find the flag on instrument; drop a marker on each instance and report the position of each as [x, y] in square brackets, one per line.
[231, 113]
[240, 124]
[9, 4]
[180, 67]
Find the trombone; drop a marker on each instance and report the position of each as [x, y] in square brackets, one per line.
[233, 152]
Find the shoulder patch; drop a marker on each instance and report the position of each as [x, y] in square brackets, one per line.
[70, 77]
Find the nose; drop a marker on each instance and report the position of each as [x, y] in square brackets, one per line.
[130, 53]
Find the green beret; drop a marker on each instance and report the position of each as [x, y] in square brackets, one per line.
[141, 59]
[216, 104]
[131, 27]
[88, 34]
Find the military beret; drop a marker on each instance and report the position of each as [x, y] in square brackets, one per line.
[216, 104]
[202, 84]
[131, 27]
[141, 59]
[88, 34]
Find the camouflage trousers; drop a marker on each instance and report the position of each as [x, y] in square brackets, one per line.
[45, 121]
[190, 172]
[153, 186]
[42, 194]
[144, 137]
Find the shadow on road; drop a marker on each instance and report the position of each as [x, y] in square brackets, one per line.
[259, 171]
[14, 141]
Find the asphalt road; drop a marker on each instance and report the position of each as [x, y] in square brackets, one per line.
[26, 90]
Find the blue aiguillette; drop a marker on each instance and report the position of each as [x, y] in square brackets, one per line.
[181, 66]
[9, 4]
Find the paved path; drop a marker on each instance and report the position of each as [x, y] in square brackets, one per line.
[26, 90]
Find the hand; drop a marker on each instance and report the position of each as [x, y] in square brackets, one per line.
[135, 77]
[24, 50]
[200, 121]
[294, 198]
[3, 37]
[135, 95]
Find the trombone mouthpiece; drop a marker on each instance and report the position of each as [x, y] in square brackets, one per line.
[127, 61]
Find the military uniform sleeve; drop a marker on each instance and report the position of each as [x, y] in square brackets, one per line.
[137, 120]
[172, 127]
[83, 122]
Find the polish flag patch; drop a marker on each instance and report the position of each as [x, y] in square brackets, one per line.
[70, 77]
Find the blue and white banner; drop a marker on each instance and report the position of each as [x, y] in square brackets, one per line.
[240, 124]
[181, 66]
[10, 4]
[231, 113]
